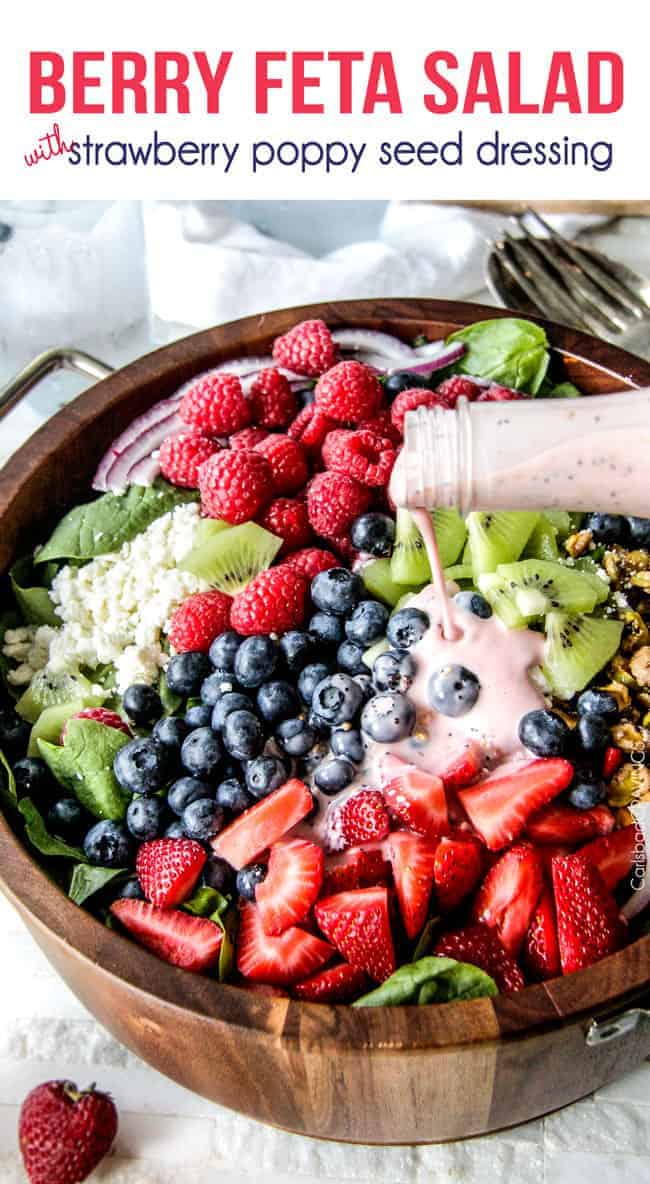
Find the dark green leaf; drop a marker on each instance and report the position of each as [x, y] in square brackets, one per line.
[102, 526]
[34, 602]
[84, 765]
[206, 901]
[7, 779]
[426, 938]
[563, 390]
[509, 351]
[87, 880]
[430, 980]
[170, 701]
[41, 839]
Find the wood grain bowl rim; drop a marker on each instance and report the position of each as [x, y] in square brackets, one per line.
[110, 404]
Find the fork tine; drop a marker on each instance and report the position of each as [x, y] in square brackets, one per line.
[578, 284]
[551, 287]
[544, 302]
[628, 298]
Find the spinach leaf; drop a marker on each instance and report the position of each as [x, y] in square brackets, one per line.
[509, 351]
[170, 701]
[99, 527]
[34, 602]
[426, 939]
[7, 779]
[430, 980]
[41, 839]
[207, 902]
[563, 390]
[87, 880]
[84, 765]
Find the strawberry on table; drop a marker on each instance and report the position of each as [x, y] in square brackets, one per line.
[358, 924]
[416, 798]
[481, 946]
[273, 602]
[413, 863]
[168, 870]
[336, 984]
[561, 823]
[193, 943]
[616, 854]
[215, 404]
[509, 893]
[283, 960]
[500, 806]
[588, 921]
[198, 620]
[291, 885]
[541, 954]
[263, 824]
[306, 349]
[457, 867]
[65, 1132]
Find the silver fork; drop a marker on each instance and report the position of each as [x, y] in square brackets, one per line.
[570, 283]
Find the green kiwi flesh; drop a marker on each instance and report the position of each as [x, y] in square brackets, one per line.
[577, 648]
[498, 537]
[229, 559]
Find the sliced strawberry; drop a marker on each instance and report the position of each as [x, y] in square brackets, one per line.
[413, 862]
[358, 924]
[541, 955]
[561, 823]
[508, 895]
[481, 947]
[336, 984]
[356, 868]
[261, 826]
[465, 769]
[363, 818]
[416, 798]
[500, 806]
[291, 885]
[276, 960]
[456, 871]
[192, 943]
[616, 854]
[612, 760]
[588, 921]
[168, 869]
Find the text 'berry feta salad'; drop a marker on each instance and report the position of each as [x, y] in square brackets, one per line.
[291, 735]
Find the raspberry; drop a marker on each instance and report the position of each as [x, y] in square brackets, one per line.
[310, 427]
[248, 438]
[307, 349]
[499, 394]
[334, 500]
[215, 403]
[452, 388]
[349, 392]
[311, 561]
[181, 457]
[198, 620]
[287, 461]
[287, 518]
[273, 602]
[383, 426]
[363, 455]
[272, 401]
[235, 485]
[101, 715]
[418, 396]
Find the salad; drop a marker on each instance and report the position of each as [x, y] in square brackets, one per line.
[231, 728]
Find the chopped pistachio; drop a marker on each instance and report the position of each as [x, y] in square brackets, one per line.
[640, 666]
[628, 783]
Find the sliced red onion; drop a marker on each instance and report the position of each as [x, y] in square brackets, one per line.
[430, 348]
[137, 441]
[450, 354]
[245, 367]
[371, 341]
[640, 898]
[146, 470]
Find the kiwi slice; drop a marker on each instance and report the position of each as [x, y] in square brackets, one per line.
[372, 653]
[519, 592]
[409, 562]
[229, 559]
[459, 572]
[498, 537]
[206, 528]
[451, 533]
[51, 689]
[542, 543]
[577, 648]
[49, 724]
[403, 601]
[377, 578]
[561, 520]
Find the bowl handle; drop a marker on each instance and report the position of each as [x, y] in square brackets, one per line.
[635, 1019]
[46, 363]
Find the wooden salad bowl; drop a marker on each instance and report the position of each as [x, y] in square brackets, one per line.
[384, 1075]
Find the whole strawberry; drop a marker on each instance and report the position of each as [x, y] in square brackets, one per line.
[273, 602]
[182, 456]
[216, 404]
[272, 401]
[65, 1132]
[235, 485]
[198, 620]
[349, 393]
[307, 349]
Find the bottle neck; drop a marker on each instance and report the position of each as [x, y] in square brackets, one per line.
[438, 457]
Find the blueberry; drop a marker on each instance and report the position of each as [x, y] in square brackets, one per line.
[67, 819]
[130, 889]
[218, 874]
[224, 648]
[170, 731]
[14, 733]
[593, 734]
[348, 743]
[264, 774]
[107, 844]
[586, 794]
[186, 790]
[144, 817]
[185, 672]
[295, 736]
[473, 602]
[600, 703]
[142, 765]
[198, 716]
[606, 528]
[393, 670]
[298, 648]
[219, 683]
[373, 533]
[232, 796]
[255, 661]
[336, 591]
[175, 830]
[364, 682]
[326, 629]
[242, 735]
[337, 699]
[201, 752]
[333, 775]
[453, 690]
[388, 717]
[248, 878]
[232, 701]
[277, 700]
[349, 657]
[406, 627]
[309, 678]
[33, 777]
[403, 380]
[367, 623]
[202, 819]
[544, 733]
[142, 703]
[639, 531]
